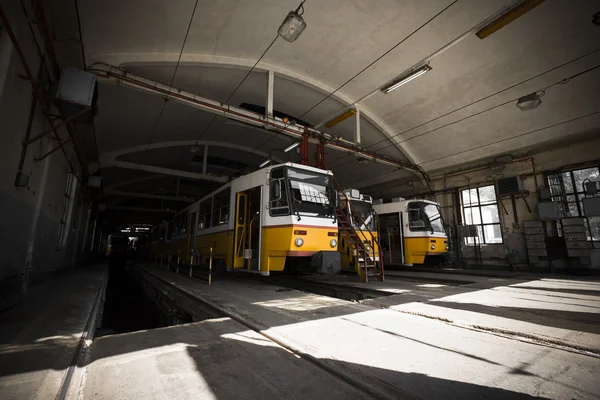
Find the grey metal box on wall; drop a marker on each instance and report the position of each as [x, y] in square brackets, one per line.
[79, 87]
[591, 206]
[548, 210]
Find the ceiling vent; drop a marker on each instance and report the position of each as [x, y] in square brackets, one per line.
[509, 186]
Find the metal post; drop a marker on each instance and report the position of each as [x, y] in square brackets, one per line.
[304, 159]
[191, 265]
[178, 259]
[161, 258]
[390, 246]
[210, 267]
[321, 155]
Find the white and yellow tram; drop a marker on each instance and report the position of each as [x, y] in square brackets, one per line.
[411, 232]
[274, 218]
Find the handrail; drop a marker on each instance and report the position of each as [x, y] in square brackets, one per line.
[210, 260]
[362, 221]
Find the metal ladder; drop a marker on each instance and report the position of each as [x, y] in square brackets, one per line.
[367, 268]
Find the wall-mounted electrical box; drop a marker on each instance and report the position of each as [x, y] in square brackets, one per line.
[591, 206]
[548, 210]
[509, 186]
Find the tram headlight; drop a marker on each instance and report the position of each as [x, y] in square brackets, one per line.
[299, 242]
[432, 246]
[367, 247]
[333, 243]
[446, 247]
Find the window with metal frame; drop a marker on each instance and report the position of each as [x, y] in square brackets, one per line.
[567, 189]
[278, 198]
[220, 213]
[67, 211]
[480, 207]
[204, 214]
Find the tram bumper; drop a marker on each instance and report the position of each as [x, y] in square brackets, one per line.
[327, 262]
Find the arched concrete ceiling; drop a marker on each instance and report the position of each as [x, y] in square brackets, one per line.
[227, 37]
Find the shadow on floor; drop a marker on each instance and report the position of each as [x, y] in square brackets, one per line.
[231, 362]
[587, 322]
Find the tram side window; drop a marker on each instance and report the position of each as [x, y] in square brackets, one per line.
[205, 214]
[278, 198]
[170, 230]
[184, 223]
[176, 224]
[220, 214]
[415, 220]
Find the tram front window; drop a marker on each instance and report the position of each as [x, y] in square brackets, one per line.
[365, 210]
[425, 217]
[312, 193]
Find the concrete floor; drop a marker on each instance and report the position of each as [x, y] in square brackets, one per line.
[212, 359]
[407, 355]
[435, 337]
[38, 337]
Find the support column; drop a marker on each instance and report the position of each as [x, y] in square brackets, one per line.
[270, 86]
[357, 127]
[36, 216]
[321, 155]
[204, 160]
[304, 159]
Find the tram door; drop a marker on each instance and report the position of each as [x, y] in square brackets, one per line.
[391, 238]
[248, 230]
[191, 231]
[241, 213]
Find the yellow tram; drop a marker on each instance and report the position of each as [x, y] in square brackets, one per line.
[412, 232]
[356, 210]
[274, 218]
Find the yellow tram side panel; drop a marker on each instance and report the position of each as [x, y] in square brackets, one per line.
[345, 247]
[222, 244]
[279, 242]
[416, 248]
[177, 246]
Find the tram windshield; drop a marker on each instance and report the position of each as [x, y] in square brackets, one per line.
[312, 193]
[425, 217]
[365, 210]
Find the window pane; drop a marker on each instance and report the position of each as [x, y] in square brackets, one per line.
[489, 214]
[487, 195]
[583, 174]
[572, 207]
[595, 228]
[469, 197]
[492, 233]
[554, 185]
[571, 197]
[567, 182]
[472, 216]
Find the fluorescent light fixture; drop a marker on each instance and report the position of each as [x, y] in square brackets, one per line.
[529, 102]
[508, 17]
[292, 26]
[406, 78]
[264, 163]
[291, 147]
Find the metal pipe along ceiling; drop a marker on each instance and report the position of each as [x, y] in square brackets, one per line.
[103, 70]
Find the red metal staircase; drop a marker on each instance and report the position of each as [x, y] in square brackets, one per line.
[365, 261]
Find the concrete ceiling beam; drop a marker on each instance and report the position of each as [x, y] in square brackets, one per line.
[148, 196]
[153, 59]
[140, 209]
[239, 114]
[165, 171]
